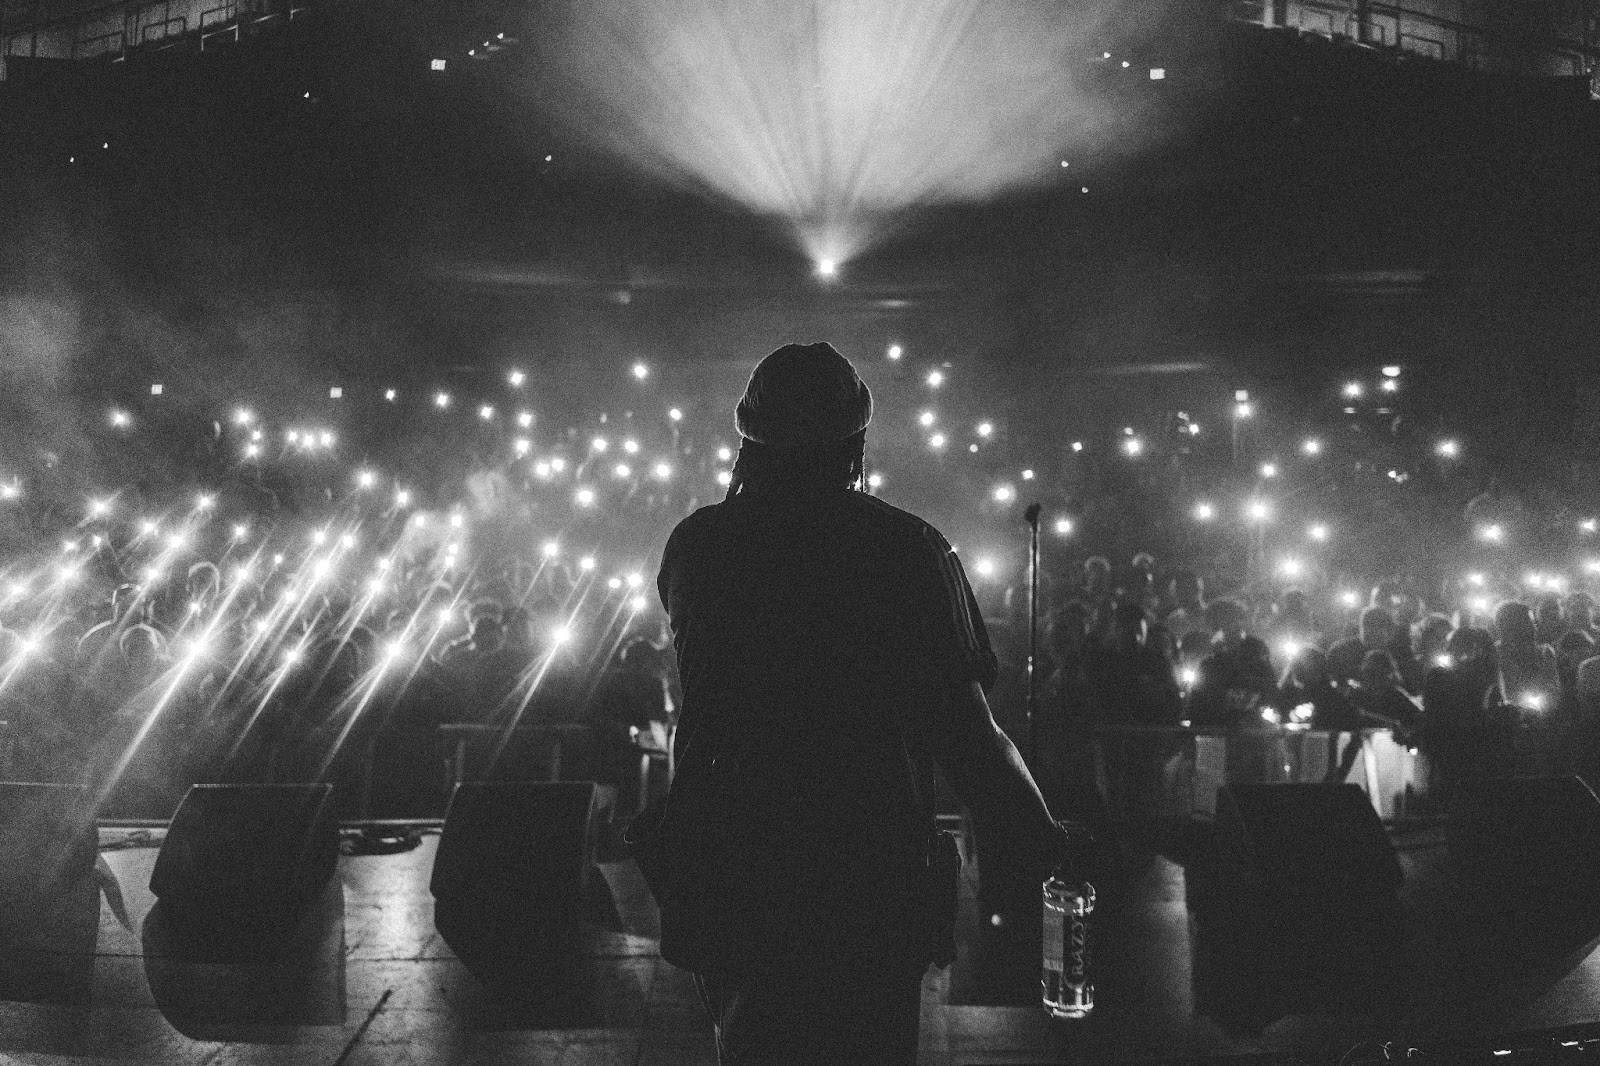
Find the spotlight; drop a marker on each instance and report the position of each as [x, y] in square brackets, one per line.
[874, 481]
[1257, 511]
[926, 418]
[1077, 445]
[551, 549]
[121, 419]
[985, 428]
[985, 567]
[622, 470]
[724, 454]
[365, 479]
[441, 399]
[675, 414]
[586, 563]
[641, 371]
[1063, 527]
[827, 268]
[560, 634]
[486, 412]
[895, 351]
[1448, 449]
[585, 497]
[1350, 598]
[1493, 532]
[1312, 447]
[1133, 446]
[524, 419]
[1005, 494]
[1204, 512]
[1353, 389]
[635, 580]
[1318, 532]
[935, 378]
[1243, 410]
[662, 471]
[936, 441]
[1269, 469]
[516, 378]
[1291, 568]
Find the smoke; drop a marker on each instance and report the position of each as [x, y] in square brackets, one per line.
[836, 117]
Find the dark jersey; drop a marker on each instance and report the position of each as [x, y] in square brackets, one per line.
[816, 637]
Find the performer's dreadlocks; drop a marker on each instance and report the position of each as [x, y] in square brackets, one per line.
[803, 421]
[764, 466]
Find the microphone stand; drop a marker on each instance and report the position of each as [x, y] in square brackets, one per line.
[1032, 515]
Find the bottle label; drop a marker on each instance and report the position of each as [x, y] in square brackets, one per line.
[1077, 950]
[1054, 932]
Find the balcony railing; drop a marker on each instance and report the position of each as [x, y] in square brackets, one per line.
[1412, 32]
[114, 31]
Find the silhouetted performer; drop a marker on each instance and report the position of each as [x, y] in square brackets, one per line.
[830, 650]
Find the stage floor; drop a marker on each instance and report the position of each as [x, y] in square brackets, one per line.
[368, 981]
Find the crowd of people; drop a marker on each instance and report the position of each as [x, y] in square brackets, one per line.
[240, 597]
[1492, 682]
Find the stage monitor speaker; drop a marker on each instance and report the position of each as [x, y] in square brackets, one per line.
[47, 843]
[247, 857]
[1525, 855]
[510, 876]
[511, 842]
[1303, 915]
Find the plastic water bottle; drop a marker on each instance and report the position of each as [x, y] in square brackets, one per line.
[1068, 982]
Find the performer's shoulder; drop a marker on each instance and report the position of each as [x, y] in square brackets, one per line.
[895, 521]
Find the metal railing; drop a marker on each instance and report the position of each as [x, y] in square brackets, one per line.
[115, 42]
[147, 31]
[1422, 46]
